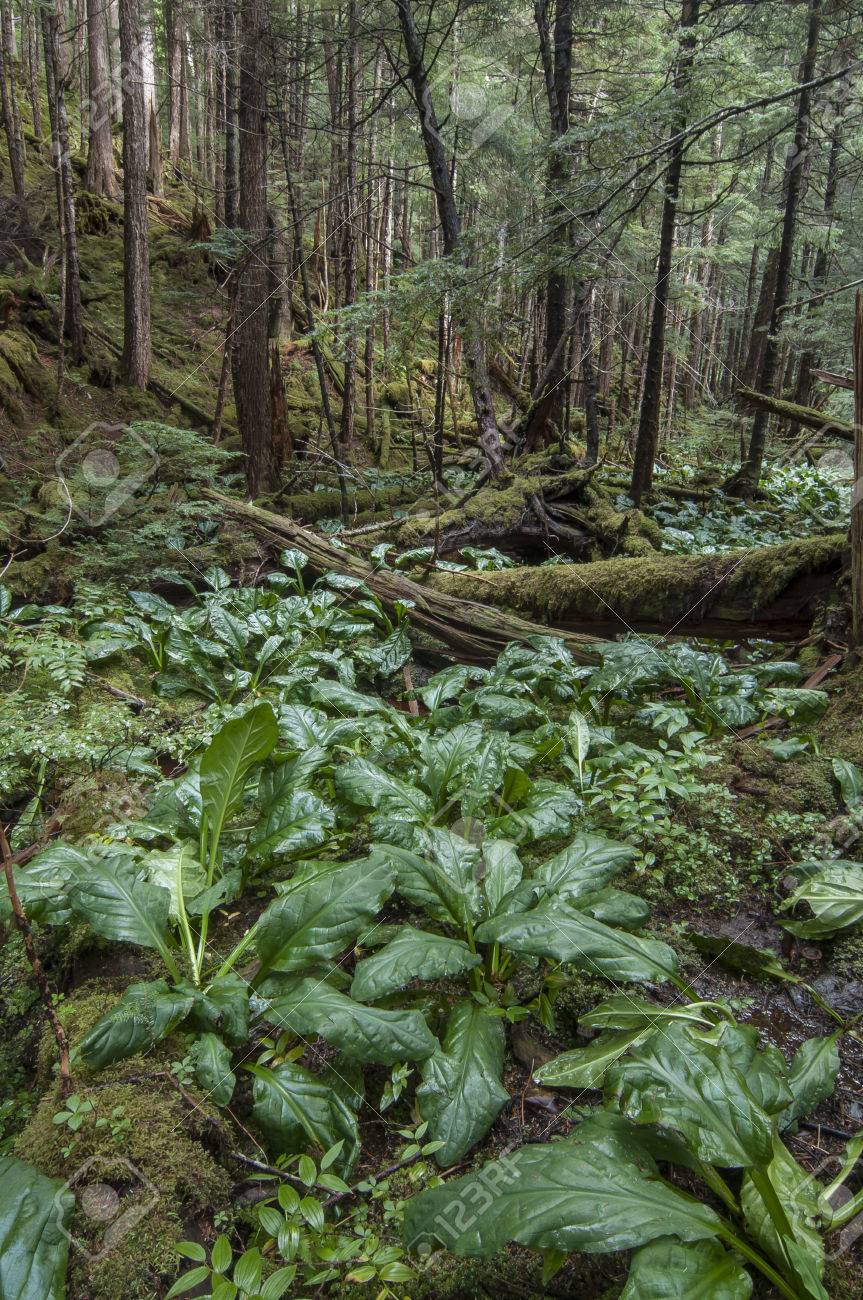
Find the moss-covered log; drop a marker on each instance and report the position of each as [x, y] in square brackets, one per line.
[548, 504]
[808, 416]
[768, 591]
[469, 626]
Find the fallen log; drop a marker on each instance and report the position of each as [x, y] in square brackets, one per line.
[769, 591]
[477, 632]
[824, 424]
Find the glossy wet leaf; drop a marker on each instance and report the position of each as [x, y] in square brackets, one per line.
[586, 1067]
[120, 906]
[812, 1075]
[319, 919]
[412, 954]
[371, 1034]
[34, 1246]
[562, 1196]
[462, 1091]
[834, 894]
[298, 1110]
[144, 1014]
[697, 1091]
[213, 1069]
[673, 1270]
[230, 756]
[554, 929]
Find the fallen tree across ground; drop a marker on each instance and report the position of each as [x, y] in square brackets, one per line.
[809, 416]
[548, 503]
[476, 631]
[767, 591]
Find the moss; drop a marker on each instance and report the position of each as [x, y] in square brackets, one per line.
[22, 370]
[655, 588]
[160, 1135]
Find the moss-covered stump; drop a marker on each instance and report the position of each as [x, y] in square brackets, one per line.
[21, 371]
[142, 1139]
[547, 503]
[767, 591]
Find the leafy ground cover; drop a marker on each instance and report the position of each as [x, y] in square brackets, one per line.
[358, 924]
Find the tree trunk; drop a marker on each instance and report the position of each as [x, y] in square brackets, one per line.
[7, 94]
[251, 360]
[857, 494]
[475, 362]
[135, 363]
[556, 56]
[100, 177]
[71, 319]
[745, 482]
[648, 420]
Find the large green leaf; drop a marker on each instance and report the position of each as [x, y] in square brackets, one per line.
[228, 759]
[666, 1269]
[297, 1110]
[461, 1092]
[696, 1090]
[446, 886]
[812, 1075]
[119, 906]
[500, 871]
[44, 884]
[803, 1204]
[547, 811]
[615, 907]
[311, 1006]
[586, 1067]
[317, 920]
[34, 1246]
[298, 820]
[630, 1012]
[144, 1014]
[556, 1196]
[365, 783]
[835, 895]
[850, 780]
[412, 954]
[585, 865]
[554, 929]
[223, 1008]
[213, 1068]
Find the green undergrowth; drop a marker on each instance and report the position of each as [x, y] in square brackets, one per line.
[479, 875]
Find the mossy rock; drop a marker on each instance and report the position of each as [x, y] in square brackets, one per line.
[154, 1149]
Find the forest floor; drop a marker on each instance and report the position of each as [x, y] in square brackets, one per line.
[719, 777]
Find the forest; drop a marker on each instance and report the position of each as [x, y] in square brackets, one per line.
[431, 649]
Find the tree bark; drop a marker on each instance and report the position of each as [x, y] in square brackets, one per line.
[13, 140]
[648, 420]
[135, 362]
[251, 358]
[100, 177]
[450, 224]
[745, 482]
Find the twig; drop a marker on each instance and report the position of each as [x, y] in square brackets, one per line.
[36, 966]
[117, 691]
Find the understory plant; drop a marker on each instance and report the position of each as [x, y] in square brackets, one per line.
[685, 1163]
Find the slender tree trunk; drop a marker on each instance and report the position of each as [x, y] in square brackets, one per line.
[7, 94]
[857, 494]
[231, 135]
[251, 358]
[475, 362]
[745, 482]
[346, 434]
[649, 415]
[100, 177]
[71, 320]
[556, 56]
[135, 363]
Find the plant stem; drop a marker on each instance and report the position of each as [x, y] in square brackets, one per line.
[743, 1248]
[237, 952]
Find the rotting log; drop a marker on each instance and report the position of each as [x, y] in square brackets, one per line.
[546, 505]
[313, 506]
[470, 627]
[809, 416]
[770, 591]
